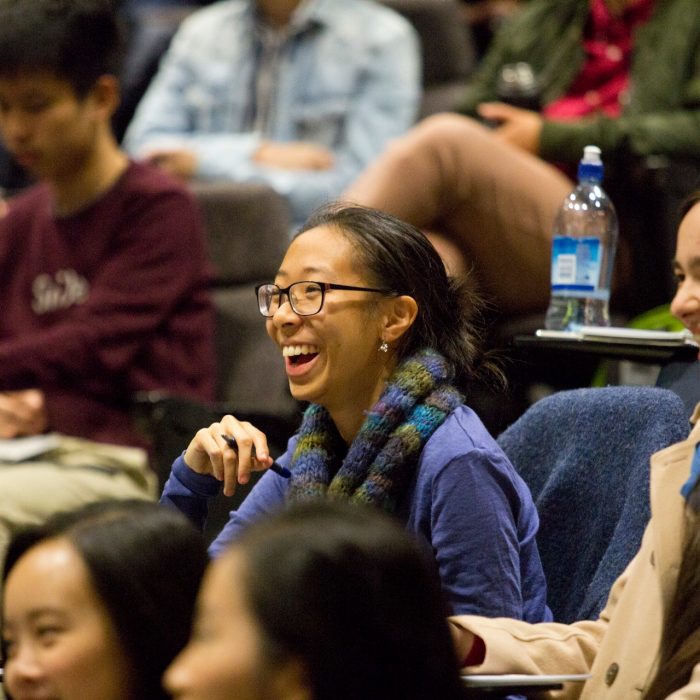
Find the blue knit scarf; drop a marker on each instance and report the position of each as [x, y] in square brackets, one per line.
[382, 458]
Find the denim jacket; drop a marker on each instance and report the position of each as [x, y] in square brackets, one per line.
[349, 80]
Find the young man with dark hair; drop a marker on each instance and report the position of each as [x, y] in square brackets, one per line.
[103, 272]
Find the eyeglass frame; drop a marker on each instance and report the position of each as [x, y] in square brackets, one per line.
[324, 286]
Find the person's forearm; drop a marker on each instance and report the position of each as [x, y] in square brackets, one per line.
[670, 133]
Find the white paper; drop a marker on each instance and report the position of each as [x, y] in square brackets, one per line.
[610, 334]
[521, 679]
[24, 448]
[632, 333]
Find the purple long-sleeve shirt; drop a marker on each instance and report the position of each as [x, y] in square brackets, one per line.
[466, 501]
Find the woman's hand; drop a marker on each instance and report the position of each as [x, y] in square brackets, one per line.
[208, 452]
[178, 162]
[295, 155]
[521, 128]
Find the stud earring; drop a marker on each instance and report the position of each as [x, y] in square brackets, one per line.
[384, 347]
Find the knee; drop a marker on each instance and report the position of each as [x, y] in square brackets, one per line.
[448, 127]
[437, 133]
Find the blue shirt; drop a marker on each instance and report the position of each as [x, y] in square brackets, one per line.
[347, 78]
[466, 501]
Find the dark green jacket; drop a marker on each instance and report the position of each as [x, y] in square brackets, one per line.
[662, 112]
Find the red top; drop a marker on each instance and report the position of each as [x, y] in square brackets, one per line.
[106, 302]
[476, 654]
[604, 77]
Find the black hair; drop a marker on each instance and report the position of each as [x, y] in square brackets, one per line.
[398, 256]
[347, 592]
[146, 563]
[680, 640]
[688, 203]
[75, 40]
[683, 210]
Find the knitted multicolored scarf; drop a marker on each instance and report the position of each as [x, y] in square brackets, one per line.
[382, 458]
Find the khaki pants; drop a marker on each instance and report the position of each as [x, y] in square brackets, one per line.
[76, 473]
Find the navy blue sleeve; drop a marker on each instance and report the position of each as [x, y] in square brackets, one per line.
[267, 495]
[189, 492]
[474, 535]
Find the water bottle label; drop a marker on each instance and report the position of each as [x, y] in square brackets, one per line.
[575, 264]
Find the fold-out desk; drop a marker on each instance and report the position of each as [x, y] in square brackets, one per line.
[650, 347]
[495, 687]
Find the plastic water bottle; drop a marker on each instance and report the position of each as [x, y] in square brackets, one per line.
[583, 251]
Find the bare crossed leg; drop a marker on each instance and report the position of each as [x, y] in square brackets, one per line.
[493, 203]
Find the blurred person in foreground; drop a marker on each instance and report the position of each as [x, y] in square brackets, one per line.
[98, 601]
[310, 604]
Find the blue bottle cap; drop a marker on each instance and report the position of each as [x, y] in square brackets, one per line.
[590, 167]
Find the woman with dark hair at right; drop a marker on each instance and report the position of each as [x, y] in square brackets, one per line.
[98, 601]
[322, 601]
[383, 347]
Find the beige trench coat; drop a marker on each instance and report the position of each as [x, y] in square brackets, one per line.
[619, 649]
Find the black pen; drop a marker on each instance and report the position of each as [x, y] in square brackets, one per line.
[277, 468]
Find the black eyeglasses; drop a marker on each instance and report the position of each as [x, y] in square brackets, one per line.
[306, 298]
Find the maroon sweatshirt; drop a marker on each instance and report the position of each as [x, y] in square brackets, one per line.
[106, 302]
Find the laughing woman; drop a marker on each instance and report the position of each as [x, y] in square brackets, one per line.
[380, 343]
[96, 602]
